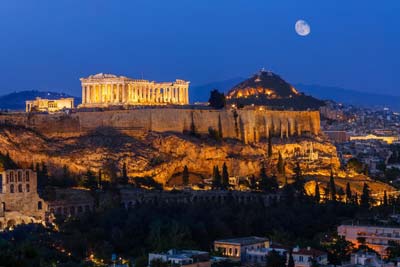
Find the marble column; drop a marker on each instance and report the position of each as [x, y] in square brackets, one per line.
[83, 94]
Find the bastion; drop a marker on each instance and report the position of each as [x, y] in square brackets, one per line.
[246, 125]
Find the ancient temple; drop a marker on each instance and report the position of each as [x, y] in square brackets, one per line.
[104, 90]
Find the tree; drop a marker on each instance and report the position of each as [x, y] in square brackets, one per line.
[270, 146]
[225, 176]
[217, 99]
[274, 259]
[317, 195]
[339, 251]
[216, 178]
[365, 200]
[124, 176]
[253, 183]
[332, 188]
[266, 183]
[220, 127]
[348, 193]
[291, 260]
[185, 176]
[354, 165]
[89, 180]
[385, 199]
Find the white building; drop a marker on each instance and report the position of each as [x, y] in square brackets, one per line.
[303, 257]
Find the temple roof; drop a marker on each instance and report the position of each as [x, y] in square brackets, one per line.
[104, 75]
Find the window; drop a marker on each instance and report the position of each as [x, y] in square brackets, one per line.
[300, 258]
[20, 188]
[27, 176]
[19, 176]
[39, 205]
[12, 188]
[27, 188]
[11, 177]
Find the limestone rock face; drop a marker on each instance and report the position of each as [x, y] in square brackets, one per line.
[161, 155]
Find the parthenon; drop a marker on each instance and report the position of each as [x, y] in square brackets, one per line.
[104, 90]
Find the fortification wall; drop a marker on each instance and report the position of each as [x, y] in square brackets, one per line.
[245, 125]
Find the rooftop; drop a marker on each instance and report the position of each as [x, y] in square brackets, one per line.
[243, 241]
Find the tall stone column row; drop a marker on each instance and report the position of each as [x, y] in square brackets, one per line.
[133, 93]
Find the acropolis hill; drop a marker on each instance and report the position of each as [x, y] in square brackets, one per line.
[159, 140]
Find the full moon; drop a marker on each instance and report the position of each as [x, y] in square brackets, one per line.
[302, 28]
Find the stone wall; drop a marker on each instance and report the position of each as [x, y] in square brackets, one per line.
[245, 125]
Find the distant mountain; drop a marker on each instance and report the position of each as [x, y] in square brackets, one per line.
[351, 97]
[16, 100]
[266, 88]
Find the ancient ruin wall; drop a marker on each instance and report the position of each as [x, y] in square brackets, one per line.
[245, 125]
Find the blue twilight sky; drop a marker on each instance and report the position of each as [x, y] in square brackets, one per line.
[50, 44]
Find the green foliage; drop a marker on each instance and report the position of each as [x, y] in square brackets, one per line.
[274, 259]
[267, 184]
[332, 188]
[339, 250]
[7, 162]
[393, 251]
[185, 176]
[217, 99]
[291, 260]
[365, 200]
[355, 165]
[124, 179]
[349, 196]
[217, 179]
[225, 176]
[281, 164]
[89, 180]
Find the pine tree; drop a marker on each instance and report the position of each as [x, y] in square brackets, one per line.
[348, 193]
[123, 179]
[291, 260]
[332, 187]
[220, 127]
[365, 200]
[269, 146]
[385, 199]
[317, 196]
[225, 176]
[253, 183]
[216, 178]
[185, 176]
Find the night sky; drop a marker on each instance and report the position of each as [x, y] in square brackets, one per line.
[50, 44]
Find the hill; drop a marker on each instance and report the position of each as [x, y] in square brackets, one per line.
[352, 97]
[16, 100]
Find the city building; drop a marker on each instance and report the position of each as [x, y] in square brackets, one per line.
[20, 202]
[49, 105]
[236, 247]
[375, 237]
[387, 139]
[187, 258]
[104, 90]
[260, 255]
[303, 257]
[370, 259]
